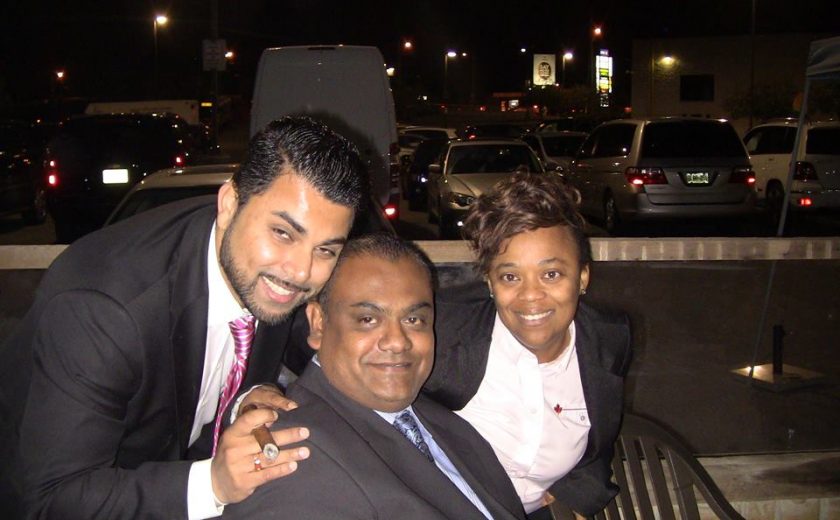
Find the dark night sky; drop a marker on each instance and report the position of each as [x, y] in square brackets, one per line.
[107, 47]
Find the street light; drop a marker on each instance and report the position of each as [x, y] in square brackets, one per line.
[446, 57]
[567, 56]
[408, 46]
[160, 20]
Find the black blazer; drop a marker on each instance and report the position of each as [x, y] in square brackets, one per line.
[117, 333]
[361, 467]
[464, 318]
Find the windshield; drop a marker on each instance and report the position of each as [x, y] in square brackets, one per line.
[491, 158]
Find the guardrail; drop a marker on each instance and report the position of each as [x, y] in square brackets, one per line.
[603, 250]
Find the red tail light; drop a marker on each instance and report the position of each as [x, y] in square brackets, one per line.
[392, 211]
[52, 173]
[805, 201]
[743, 176]
[805, 171]
[642, 176]
[179, 160]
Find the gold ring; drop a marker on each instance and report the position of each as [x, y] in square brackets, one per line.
[257, 464]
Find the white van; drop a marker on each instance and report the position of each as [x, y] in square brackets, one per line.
[344, 86]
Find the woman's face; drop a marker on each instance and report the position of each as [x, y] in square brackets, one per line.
[536, 281]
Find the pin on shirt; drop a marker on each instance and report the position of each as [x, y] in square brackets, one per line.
[559, 409]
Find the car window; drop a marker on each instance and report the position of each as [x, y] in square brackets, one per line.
[823, 141]
[614, 141]
[428, 134]
[770, 140]
[562, 146]
[532, 142]
[588, 146]
[491, 158]
[690, 139]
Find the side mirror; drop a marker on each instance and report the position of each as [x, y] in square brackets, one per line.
[434, 168]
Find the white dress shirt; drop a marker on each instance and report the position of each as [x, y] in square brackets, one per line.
[222, 308]
[533, 415]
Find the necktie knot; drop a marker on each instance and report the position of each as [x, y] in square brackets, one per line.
[407, 425]
[242, 330]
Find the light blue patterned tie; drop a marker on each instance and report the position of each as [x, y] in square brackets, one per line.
[406, 425]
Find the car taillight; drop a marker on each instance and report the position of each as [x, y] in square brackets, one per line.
[743, 176]
[805, 171]
[179, 160]
[392, 211]
[52, 173]
[805, 201]
[642, 176]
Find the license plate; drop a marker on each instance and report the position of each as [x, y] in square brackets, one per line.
[115, 176]
[696, 177]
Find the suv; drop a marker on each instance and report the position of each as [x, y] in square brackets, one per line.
[555, 149]
[660, 168]
[21, 185]
[816, 178]
[93, 161]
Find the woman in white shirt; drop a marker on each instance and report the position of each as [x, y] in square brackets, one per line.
[538, 373]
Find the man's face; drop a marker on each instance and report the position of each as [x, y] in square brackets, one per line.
[375, 338]
[279, 248]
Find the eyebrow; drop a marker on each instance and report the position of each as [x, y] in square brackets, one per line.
[298, 227]
[377, 308]
[546, 261]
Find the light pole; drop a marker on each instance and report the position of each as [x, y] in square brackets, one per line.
[567, 56]
[597, 32]
[446, 57]
[159, 20]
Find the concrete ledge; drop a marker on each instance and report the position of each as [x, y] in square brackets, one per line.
[778, 486]
[603, 250]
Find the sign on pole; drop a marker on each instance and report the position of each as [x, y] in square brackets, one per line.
[213, 55]
[544, 65]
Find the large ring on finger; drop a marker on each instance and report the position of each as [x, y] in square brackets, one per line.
[257, 463]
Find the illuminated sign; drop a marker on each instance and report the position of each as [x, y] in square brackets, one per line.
[544, 66]
[603, 76]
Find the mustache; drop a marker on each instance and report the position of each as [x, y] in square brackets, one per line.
[287, 284]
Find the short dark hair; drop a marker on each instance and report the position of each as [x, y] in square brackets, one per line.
[379, 245]
[523, 202]
[326, 160]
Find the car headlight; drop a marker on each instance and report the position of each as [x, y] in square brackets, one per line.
[462, 200]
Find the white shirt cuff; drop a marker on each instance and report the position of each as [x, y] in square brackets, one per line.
[234, 410]
[201, 501]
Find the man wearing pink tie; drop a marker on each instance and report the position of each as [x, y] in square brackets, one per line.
[143, 335]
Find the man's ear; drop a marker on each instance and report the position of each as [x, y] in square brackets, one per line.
[315, 315]
[227, 202]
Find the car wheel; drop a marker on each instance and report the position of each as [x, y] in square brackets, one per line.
[775, 198]
[37, 214]
[611, 217]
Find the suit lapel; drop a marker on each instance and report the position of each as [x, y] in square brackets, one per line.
[395, 451]
[188, 308]
[599, 384]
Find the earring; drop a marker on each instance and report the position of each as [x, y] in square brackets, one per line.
[582, 291]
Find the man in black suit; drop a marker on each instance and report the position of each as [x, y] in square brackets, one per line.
[373, 329]
[132, 349]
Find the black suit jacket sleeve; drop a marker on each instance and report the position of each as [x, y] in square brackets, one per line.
[88, 366]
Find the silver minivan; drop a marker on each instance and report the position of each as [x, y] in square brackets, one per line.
[635, 169]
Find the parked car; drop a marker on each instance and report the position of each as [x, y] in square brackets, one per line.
[555, 149]
[173, 184]
[430, 132]
[566, 124]
[417, 172]
[93, 161]
[816, 177]
[670, 167]
[21, 184]
[465, 169]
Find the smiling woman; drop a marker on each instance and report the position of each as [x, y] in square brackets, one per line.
[537, 372]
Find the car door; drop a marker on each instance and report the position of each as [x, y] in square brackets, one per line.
[770, 149]
[579, 174]
[433, 186]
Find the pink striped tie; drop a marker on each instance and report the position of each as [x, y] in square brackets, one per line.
[242, 330]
